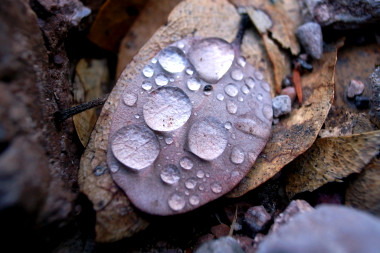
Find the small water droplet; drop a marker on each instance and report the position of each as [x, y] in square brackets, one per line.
[129, 99]
[207, 90]
[193, 84]
[137, 116]
[172, 59]
[216, 188]
[240, 99]
[200, 174]
[187, 193]
[148, 71]
[207, 175]
[186, 163]
[241, 61]
[228, 125]
[171, 80]
[235, 173]
[161, 80]
[220, 97]
[154, 60]
[170, 174]
[201, 187]
[181, 44]
[245, 89]
[237, 155]
[268, 111]
[237, 74]
[231, 107]
[176, 202]
[259, 97]
[250, 82]
[194, 200]
[259, 75]
[265, 86]
[189, 72]
[190, 183]
[114, 169]
[169, 140]
[146, 85]
[231, 90]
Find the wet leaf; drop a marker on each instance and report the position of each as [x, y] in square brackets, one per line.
[332, 159]
[295, 133]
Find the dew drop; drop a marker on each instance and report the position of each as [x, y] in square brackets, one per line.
[129, 99]
[190, 183]
[201, 187]
[231, 107]
[259, 97]
[148, 71]
[161, 80]
[220, 97]
[169, 140]
[235, 173]
[170, 174]
[200, 174]
[187, 193]
[240, 99]
[146, 85]
[231, 90]
[181, 44]
[268, 111]
[167, 109]
[194, 200]
[193, 84]
[241, 61]
[207, 175]
[245, 89]
[251, 126]
[154, 60]
[176, 202]
[228, 125]
[135, 146]
[237, 74]
[265, 86]
[186, 163]
[250, 82]
[259, 75]
[171, 80]
[237, 155]
[172, 59]
[137, 116]
[216, 188]
[189, 72]
[207, 138]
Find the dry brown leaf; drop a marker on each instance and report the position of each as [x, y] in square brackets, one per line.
[142, 29]
[192, 17]
[331, 159]
[364, 191]
[295, 133]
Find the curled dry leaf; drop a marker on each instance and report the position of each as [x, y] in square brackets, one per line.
[331, 159]
[295, 133]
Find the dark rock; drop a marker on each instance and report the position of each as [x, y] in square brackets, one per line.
[328, 229]
[221, 245]
[362, 102]
[355, 88]
[256, 219]
[287, 81]
[220, 230]
[289, 91]
[310, 37]
[281, 105]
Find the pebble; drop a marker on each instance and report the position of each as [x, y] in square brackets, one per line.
[355, 88]
[290, 91]
[281, 105]
[220, 230]
[362, 102]
[256, 219]
[224, 244]
[310, 37]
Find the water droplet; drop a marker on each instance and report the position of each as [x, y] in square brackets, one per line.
[200, 174]
[228, 125]
[240, 99]
[186, 163]
[161, 80]
[129, 99]
[176, 202]
[216, 188]
[207, 175]
[114, 169]
[187, 193]
[245, 89]
[241, 61]
[189, 72]
[167, 109]
[265, 86]
[154, 60]
[172, 59]
[259, 75]
[137, 116]
[193, 84]
[146, 85]
[194, 200]
[251, 126]
[268, 111]
[207, 90]
[169, 140]
[191, 183]
[148, 71]
[235, 173]
[259, 97]
[207, 138]
[250, 82]
[212, 58]
[201, 187]
[181, 44]
[231, 90]
[170, 174]
[237, 155]
[237, 74]
[171, 80]
[231, 107]
[135, 146]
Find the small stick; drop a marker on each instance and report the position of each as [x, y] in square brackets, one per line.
[242, 27]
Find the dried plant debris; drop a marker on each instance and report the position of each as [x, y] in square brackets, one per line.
[363, 191]
[332, 159]
[295, 133]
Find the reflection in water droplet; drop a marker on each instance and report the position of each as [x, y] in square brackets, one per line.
[186, 163]
[172, 59]
[259, 75]
[189, 72]
[237, 74]
[167, 109]
[237, 155]
[176, 202]
[200, 174]
[161, 80]
[228, 125]
[245, 89]
[129, 99]
[194, 200]
[135, 146]
[169, 140]
[268, 111]
[231, 90]
[146, 85]
[241, 61]
[231, 107]
[137, 116]
[170, 174]
[216, 188]
[259, 97]
[250, 82]
[193, 84]
[148, 71]
[265, 86]
[154, 60]
[220, 97]
[207, 138]
[190, 183]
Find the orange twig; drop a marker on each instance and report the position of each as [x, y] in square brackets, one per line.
[297, 84]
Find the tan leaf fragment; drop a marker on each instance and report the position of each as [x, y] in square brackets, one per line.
[296, 132]
[192, 17]
[331, 159]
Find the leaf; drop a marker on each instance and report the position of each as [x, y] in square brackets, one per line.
[331, 159]
[295, 133]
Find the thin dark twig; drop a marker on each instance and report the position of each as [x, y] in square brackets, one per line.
[242, 27]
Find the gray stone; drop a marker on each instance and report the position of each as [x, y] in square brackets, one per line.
[256, 219]
[281, 105]
[222, 245]
[355, 88]
[310, 37]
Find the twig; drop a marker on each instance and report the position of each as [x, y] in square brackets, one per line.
[232, 228]
[242, 27]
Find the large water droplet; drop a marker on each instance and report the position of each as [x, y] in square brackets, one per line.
[241, 61]
[212, 58]
[170, 174]
[167, 109]
[237, 74]
[186, 163]
[250, 82]
[191, 183]
[265, 86]
[161, 80]
[216, 188]
[146, 85]
[193, 84]
[194, 200]
[129, 99]
[176, 202]
[207, 138]
[220, 97]
[268, 111]
[231, 90]
[135, 146]
[172, 59]
[231, 107]
[148, 71]
[237, 155]
[200, 174]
